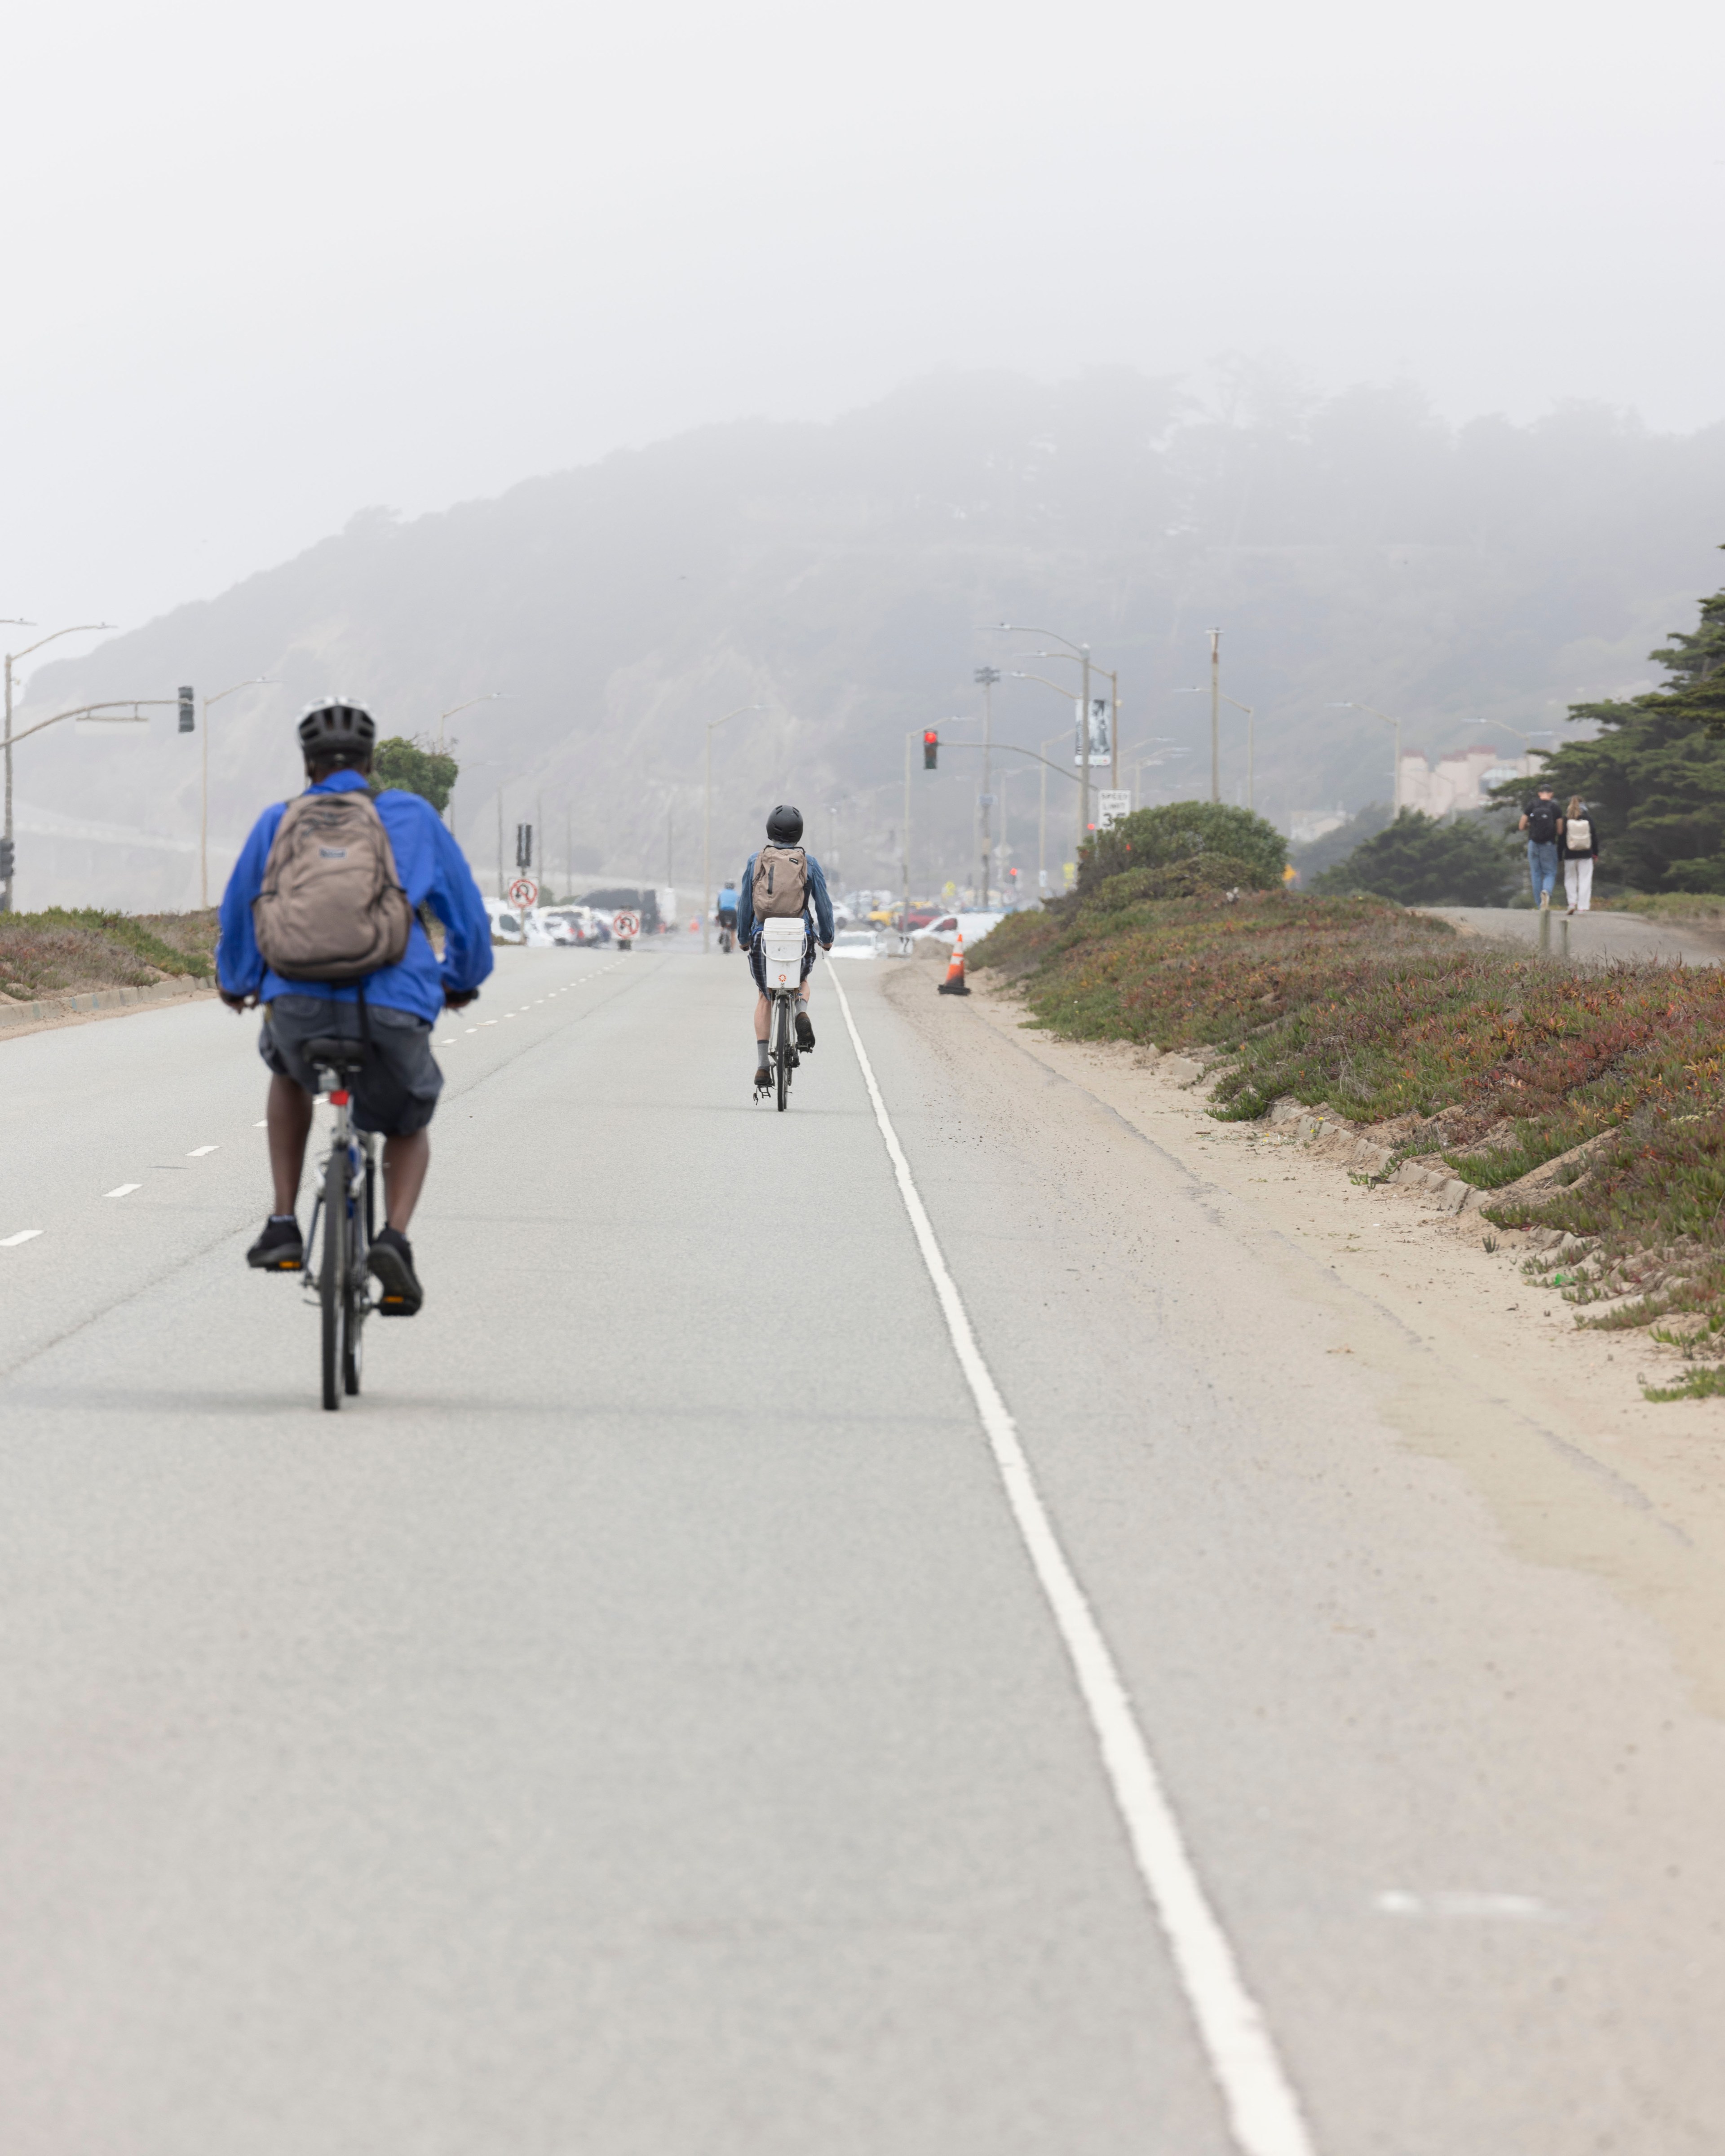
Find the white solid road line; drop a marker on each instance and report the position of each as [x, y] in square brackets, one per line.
[124, 1190]
[1262, 2108]
[24, 1235]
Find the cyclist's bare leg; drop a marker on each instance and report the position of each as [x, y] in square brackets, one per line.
[763, 1016]
[287, 1115]
[405, 1161]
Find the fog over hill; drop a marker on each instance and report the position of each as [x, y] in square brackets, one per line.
[840, 575]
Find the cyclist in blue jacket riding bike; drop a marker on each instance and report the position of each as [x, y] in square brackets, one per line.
[781, 882]
[388, 1008]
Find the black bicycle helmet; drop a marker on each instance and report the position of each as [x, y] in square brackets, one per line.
[784, 826]
[336, 729]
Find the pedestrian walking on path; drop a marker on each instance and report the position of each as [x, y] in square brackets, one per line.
[1542, 821]
[1581, 850]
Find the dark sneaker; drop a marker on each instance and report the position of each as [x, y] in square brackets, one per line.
[764, 1076]
[278, 1249]
[391, 1260]
[805, 1031]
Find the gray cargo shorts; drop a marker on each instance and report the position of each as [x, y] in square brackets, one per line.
[396, 1094]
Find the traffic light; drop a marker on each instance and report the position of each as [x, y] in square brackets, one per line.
[930, 748]
[188, 717]
[524, 847]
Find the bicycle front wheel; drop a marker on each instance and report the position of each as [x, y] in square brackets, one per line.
[333, 1275]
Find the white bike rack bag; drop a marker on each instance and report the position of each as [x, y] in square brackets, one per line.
[782, 943]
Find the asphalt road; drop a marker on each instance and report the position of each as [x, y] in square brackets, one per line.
[659, 1719]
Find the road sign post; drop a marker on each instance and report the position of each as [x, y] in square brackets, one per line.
[625, 928]
[523, 893]
[1111, 805]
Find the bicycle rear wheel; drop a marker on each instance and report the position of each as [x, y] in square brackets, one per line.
[357, 1299]
[332, 1281]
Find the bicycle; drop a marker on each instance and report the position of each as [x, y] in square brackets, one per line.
[346, 1204]
[783, 943]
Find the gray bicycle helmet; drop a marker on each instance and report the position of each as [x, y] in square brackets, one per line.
[784, 826]
[337, 729]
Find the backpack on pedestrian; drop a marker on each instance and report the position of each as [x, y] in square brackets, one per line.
[1577, 836]
[1542, 822]
[332, 907]
[781, 885]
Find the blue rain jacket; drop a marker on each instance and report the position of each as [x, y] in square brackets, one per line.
[433, 872]
[747, 923]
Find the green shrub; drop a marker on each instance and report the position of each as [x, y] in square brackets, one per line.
[1162, 838]
[1420, 861]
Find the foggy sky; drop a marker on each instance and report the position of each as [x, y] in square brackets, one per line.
[265, 267]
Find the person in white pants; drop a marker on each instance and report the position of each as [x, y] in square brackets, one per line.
[1579, 842]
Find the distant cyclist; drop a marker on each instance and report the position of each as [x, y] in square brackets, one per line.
[726, 915]
[781, 882]
[334, 888]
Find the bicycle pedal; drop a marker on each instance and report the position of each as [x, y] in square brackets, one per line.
[394, 1305]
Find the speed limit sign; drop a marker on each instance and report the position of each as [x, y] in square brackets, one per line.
[524, 893]
[625, 926]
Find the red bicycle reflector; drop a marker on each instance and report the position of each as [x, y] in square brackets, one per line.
[338, 1099]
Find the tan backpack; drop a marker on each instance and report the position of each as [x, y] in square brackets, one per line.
[332, 907]
[781, 886]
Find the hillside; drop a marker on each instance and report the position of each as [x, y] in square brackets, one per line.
[840, 575]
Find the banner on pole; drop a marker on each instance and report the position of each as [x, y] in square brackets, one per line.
[1101, 735]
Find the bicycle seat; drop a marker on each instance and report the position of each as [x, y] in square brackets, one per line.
[330, 1053]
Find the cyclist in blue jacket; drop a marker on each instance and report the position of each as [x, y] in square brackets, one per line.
[397, 1091]
[784, 828]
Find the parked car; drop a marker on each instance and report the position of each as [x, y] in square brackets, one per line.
[947, 927]
[506, 922]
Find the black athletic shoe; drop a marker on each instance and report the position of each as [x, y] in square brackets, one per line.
[391, 1259]
[763, 1077]
[278, 1249]
[805, 1031]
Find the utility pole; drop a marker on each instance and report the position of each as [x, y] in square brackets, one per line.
[1215, 715]
[1083, 782]
[987, 676]
[500, 842]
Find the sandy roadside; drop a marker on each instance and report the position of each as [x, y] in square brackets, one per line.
[1477, 1365]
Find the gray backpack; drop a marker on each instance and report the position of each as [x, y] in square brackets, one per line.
[781, 885]
[332, 907]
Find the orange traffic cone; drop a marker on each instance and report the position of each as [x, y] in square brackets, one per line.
[953, 984]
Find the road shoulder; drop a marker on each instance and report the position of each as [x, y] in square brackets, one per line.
[1474, 1363]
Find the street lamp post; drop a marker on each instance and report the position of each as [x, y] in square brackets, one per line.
[986, 677]
[79, 628]
[1114, 681]
[1215, 715]
[253, 681]
[706, 842]
[1395, 791]
[1081, 652]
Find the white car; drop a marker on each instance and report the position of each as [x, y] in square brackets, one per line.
[505, 921]
[855, 943]
[950, 927]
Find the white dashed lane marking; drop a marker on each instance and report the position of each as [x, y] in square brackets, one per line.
[198, 1151]
[123, 1190]
[24, 1235]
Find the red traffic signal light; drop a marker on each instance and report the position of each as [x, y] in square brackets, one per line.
[930, 748]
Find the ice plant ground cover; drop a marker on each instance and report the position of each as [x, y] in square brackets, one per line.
[61, 952]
